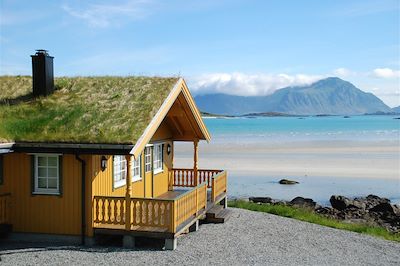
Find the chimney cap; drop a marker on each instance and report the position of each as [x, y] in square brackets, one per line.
[42, 52]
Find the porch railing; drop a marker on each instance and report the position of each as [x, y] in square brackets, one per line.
[183, 177]
[219, 183]
[150, 214]
[5, 201]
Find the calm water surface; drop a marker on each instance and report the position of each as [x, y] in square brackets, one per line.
[277, 130]
[318, 188]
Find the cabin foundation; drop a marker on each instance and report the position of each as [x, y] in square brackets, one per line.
[128, 241]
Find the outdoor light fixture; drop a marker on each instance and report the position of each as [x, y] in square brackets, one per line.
[103, 163]
[168, 148]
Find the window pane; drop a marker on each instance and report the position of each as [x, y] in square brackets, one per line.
[52, 172]
[42, 172]
[117, 176]
[42, 161]
[52, 161]
[52, 183]
[42, 183]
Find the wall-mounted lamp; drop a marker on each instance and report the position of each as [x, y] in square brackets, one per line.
[103, 163]
[168, 148]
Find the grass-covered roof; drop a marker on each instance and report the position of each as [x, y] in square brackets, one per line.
[113, 110]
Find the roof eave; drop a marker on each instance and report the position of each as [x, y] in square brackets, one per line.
[70, 148]
[179, 87]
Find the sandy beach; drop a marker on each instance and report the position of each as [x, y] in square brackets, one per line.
[378, 160]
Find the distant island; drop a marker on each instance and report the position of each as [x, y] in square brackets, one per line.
[265, 114]
[277, 114]
[330, 96]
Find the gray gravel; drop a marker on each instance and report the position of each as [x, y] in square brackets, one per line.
[248, 238]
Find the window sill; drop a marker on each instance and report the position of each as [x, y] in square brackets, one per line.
[119, 184]
[43, 193]
[158, 171]
[136, 179]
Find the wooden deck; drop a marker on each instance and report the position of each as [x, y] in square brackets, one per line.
[165, 216]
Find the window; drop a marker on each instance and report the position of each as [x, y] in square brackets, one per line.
[47, 174]
[136, 169]
[158, 158]
[119, 169]
[1, 169]
[147, 159]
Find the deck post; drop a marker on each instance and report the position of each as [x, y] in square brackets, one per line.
[194, 227]
[128, 194]
[195, 161]
[170, 243]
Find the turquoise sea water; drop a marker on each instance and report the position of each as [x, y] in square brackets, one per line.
[278, 130]
[318, 188]
[305, 128]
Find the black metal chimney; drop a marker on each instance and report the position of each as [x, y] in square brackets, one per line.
[42, 73]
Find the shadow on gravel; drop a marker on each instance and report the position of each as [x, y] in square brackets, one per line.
[103, 245]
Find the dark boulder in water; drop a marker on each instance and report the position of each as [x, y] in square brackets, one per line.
[287, 182]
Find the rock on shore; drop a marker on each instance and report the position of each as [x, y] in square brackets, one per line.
[370, 210]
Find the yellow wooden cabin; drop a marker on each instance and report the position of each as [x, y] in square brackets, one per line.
[95, 156]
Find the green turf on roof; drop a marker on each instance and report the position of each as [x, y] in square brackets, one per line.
[82, 109]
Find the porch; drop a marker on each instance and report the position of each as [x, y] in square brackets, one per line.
[192, 193]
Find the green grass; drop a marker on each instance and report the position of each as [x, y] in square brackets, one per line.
[82, 109]
[307, 215]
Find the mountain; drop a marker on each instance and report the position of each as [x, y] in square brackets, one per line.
[396, 110]
[327, 96]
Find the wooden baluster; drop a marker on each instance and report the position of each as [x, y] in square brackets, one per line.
[103, 210]
[96, 210]
[109, 210]
[133, 204]
[115, 212]
[150, 219]
[144, 214]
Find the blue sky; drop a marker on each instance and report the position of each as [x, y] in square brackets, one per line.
[237, 47]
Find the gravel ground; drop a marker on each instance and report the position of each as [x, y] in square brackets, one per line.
[248, 238]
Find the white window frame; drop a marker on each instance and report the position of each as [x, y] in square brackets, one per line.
[158, 158]
[147, 159]
[119, 169]
[136, 165]
[47, 191]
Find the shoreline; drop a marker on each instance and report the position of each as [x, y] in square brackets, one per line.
[347, 159]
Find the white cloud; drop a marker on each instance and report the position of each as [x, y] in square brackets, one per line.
[105, 15]
[247, 84]
[385, 73]
[342, 72]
